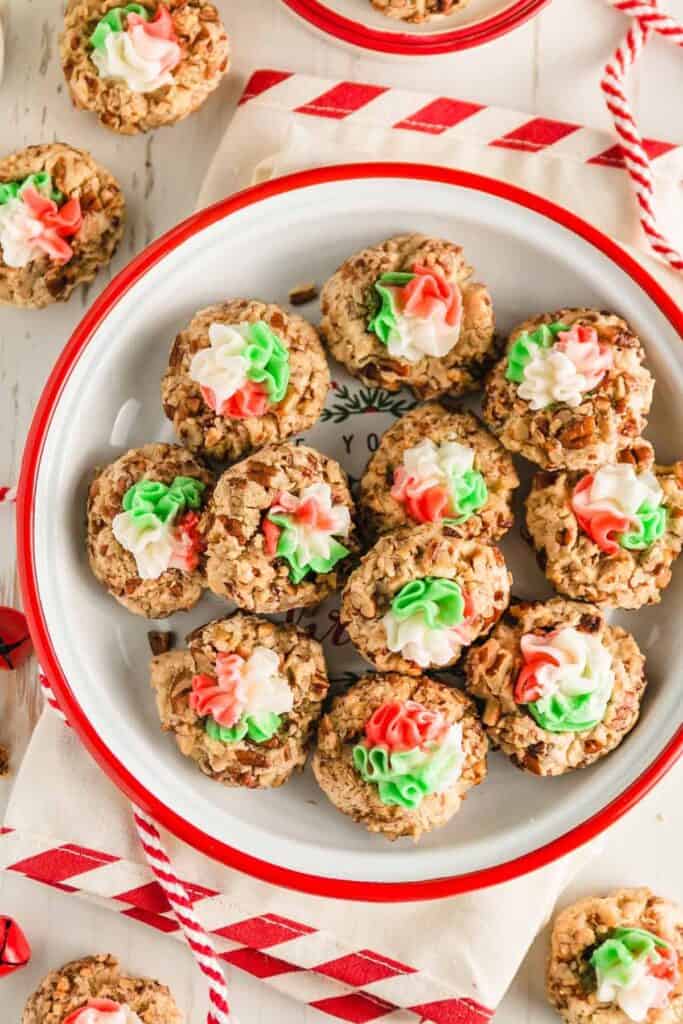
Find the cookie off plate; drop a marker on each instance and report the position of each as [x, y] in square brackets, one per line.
[358, 24]
[103, 397]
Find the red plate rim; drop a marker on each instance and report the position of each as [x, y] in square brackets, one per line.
[412, 44]
[313, 884]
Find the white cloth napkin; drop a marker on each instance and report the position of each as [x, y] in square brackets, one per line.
[478, 940]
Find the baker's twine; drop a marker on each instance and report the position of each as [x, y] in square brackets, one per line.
[647, 19]
[197, 938]
[8, 495]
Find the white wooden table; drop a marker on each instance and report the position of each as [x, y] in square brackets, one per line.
[551, 67]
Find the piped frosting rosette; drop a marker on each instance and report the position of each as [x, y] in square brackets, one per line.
[159, 525]
[36, 220]
[419, 314]
[409, 752]
[130, 47]
[244, 371]
[557, 364]
[429, 621]
[103, 1011]
[635, 970]
[566, 680]
[439, 482]
[619, 508]
[246, 697]
[304, 530]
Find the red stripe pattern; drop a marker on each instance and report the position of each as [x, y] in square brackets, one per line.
[435, 116]
[342, 100]
[647, 19]
[614, 156]
[8, 495]
[261, 81]
[534, 135]
[439, 115]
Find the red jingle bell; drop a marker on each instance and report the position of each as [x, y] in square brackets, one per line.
[15, 641]
[15, 951]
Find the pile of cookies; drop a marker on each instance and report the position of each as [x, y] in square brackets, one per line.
[138, 66]
[423, 585]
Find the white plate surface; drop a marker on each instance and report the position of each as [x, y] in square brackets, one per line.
[530, 264]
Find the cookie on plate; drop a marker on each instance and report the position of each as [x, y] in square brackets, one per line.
[142, 65]
[244, 374]
[94, 991]
[398, 753]
[405, 313]
[418, 11]
[434, 465]
[610, 536]
[422, 594]
[143, 529]
[571, 390]
[280, 530]
[242, 700]
[618, 958]
[561, 687]
[61, 219]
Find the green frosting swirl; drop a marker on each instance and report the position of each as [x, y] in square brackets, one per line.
[258, 728]
[617, 955]
[384, 323]
[287, 548]
[150, 502]
[268, 359]
[526, 346]
[113, 21]
[439, 601]
[42, 182]
[468, 492]
[652, 521]
[559, 713]
[406, 777]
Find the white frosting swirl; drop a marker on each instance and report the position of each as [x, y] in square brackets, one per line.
[584, 665]
[551, 376]
[415, 641]
[262, 687]
[413, 338]
[640, 994]
[619, 489]
[433, 465]
[18, 231]
[121, 1015]
[222, 366]
[140, 60]
[312, 541]
[152, 547]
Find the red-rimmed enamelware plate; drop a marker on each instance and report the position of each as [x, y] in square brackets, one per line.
[357, 24]
[103, 397]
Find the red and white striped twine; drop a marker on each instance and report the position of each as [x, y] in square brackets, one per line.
[8, 495]
[647, 18]
[197, 938]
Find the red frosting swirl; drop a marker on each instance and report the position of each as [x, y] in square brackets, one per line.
[250, 400]
[103, 1005]
[428, 293]
[404, 725]
[599, 525]
[58, 224]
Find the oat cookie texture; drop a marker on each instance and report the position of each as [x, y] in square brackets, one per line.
[82, 211]
[70, 988]
[243, 699]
